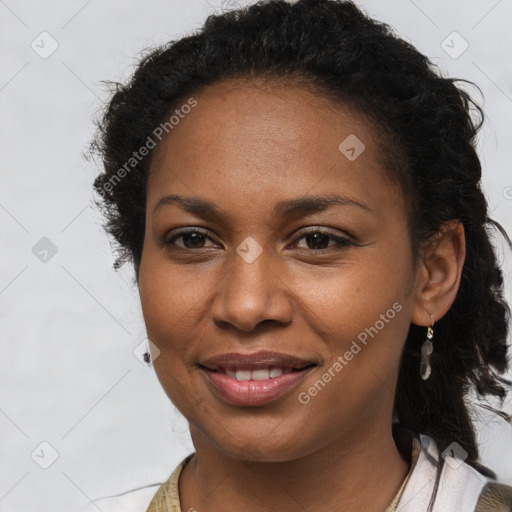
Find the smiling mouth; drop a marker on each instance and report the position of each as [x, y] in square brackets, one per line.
[262, 365]
[254, 379]
[250, 386]
[257, 374]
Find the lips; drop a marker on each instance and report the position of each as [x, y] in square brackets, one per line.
[254, 379]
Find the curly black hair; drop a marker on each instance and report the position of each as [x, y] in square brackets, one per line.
[427, 125]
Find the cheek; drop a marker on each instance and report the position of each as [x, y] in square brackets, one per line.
[165, 308]
[354, 295]
[168, 295]
[174, 301]
[362, 313]
[162, 310]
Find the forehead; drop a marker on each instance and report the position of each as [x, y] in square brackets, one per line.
[267, 139]
[273, 111]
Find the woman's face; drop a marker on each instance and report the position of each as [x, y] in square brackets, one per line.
[273, 272]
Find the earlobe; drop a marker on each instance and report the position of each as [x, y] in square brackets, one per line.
[438, 274]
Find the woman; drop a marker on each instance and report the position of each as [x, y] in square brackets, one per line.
[299, 192]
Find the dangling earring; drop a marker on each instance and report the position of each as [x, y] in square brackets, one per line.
[426, 350]
[147, 355]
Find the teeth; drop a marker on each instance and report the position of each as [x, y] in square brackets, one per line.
[243, 375]
[275, 372]
[259, 374]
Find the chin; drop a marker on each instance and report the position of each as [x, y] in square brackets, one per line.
[259, 447]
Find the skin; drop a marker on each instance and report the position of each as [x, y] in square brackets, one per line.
[245, 147]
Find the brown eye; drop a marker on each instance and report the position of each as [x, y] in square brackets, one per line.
[320, 240]
[317, 240]
[192, 239]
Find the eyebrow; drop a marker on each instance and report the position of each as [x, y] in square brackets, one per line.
[301, 206]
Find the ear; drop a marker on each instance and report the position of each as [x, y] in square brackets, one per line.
[438, 273]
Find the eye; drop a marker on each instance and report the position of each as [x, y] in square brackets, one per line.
[192, 239]
[316, 240]
[319, 240]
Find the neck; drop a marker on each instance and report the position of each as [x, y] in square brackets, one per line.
[359, 472]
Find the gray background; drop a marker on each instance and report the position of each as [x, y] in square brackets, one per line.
[69, 323]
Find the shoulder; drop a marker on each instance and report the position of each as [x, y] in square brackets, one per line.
[154, 498]
[495, 497]
[442, 480]
[167, 497]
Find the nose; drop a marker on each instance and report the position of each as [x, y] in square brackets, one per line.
[251, 294]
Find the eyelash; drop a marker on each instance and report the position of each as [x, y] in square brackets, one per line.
[341, 241]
